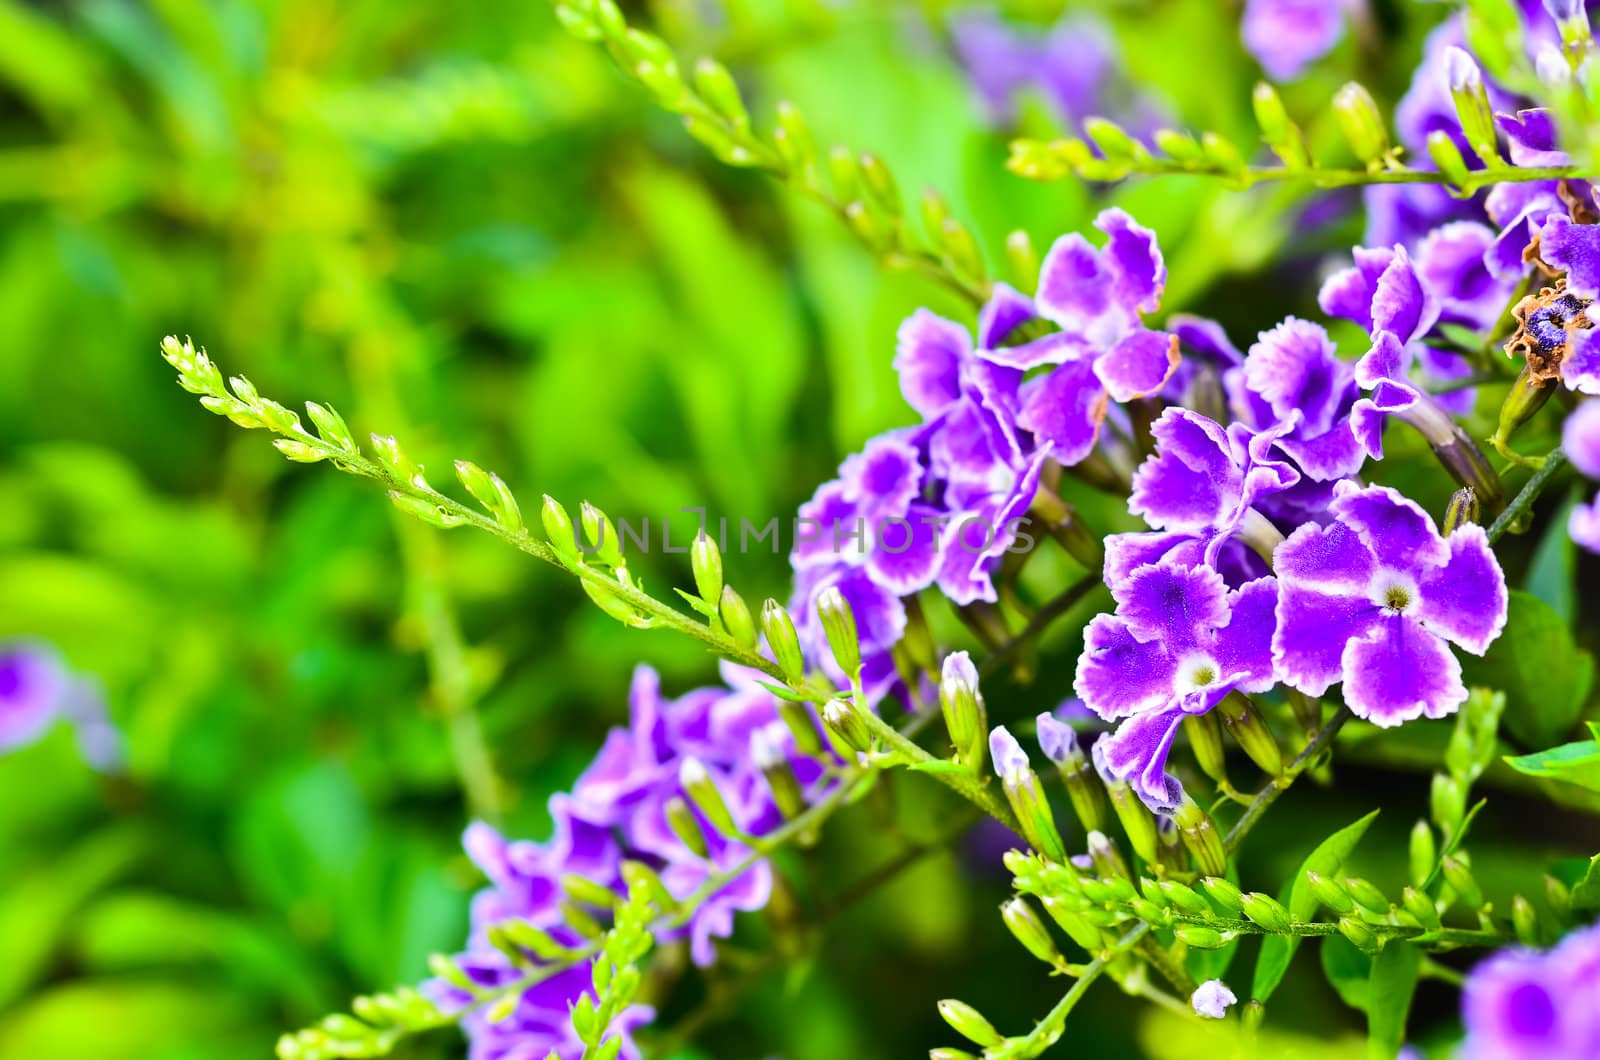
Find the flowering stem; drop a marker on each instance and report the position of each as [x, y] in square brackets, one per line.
[1278, 785]
[1048, 1031]
[963, 782]
[1443, 936]
[1553, 462]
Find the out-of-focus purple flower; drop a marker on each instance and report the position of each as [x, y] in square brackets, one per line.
[1406, 213]
[1075, 66]
[1450, 261]
[1580, 440]
[1521, 1004]
[1198, 491]
[1531, 138]
[1373, 599]
[1208, 357]
[1286, 36]
[1520, 212]
[1212, 998]
[1179, 642]
[33, 686]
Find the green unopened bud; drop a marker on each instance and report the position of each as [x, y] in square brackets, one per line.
[1105, 855]
[795, 144]
[935, 211]
[1023, 259]
[1137, 822]
[961, 702]
[558, 528]
[1462, 509]
[1360, 933]
[1059, 742]
[1223, 893]
[1366, 895]
[1200, 835]
[1249, 729]
[1267, 911]
[1200, 937]
[1025, 925]
[1526, 397]
[705, 561]
[1113, 142]
[1147, 910]
[578, 919]
[1423, 852]
[1330, 893]
[1558, 897]
[1361, 123]
[1179, 146]
[582, 889]
[798, 719]
[783, 641]
[1025, 794]
[941, 1053]
[1421, 908]
[1280, 134]
[880, 183]
[1525, 920]
[698, 783]
[639, 876]
[769, 755]
[846, 726]
[716, 86]
[1222, 154]
[686, 826]
[1205, 739]
[1447, 157]
[736, 620]
[601, 535]
[960, 249]
[1461, 881]
[839, 625]
[1184, 898]
[969, 1023]
[1069, 917]
[1471, 99]
[1447, 803]
[516, 936]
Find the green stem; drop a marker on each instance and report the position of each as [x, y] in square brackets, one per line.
[1278, 785]
[1053, 609]
[1312, 929]
[1048, 1031]
[1553, 462]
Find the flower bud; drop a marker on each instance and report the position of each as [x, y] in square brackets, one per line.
[1245, 723]
[1200, 835]
[846, 726]
[969, 1023]
[1366, 895]
[515, 936]
[1277, 130]
[1200, 937]
[1147, 910]
[1462, 509]
[1265, 910]
[1059, 743]
[964, 713]
[783, 641]
[701, 787]
[1185, 899]
[797, 718]
[1360, 934]
[639, 876]
[1070, 919]
[1023, 258]
[1113, 142]
[558, 528]
[767, 752]
[1526, 397]
[1137, 822]
[584, 890]
[1453, 447]
[1526, 921]
[1105, 855]
[839, 624]
[1330, 893]
[579, 920]
[942, 1053]
[1472, 103]
[1025, 794]
[1461, 881]
[736, 620]
[601, 535]
[1205, 739]
[1447, 803]
[1421, 908]
[1029, 930]
[705, 562]
[1447, 157]
[1223, 893]
[1361, 124]
[1423, 852]
[1557, 896]
[880, 183]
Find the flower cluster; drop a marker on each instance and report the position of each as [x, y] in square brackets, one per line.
[1525, 1005]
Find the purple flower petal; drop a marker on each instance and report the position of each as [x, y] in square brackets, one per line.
[1312, 631]
[1580, 438]
[1402, 303]
[928, 359]
[1580, 368]
[1575, 248]
[1126, 553]
[1349, 293]
[1133, 259]
[905, 550]
[1295, 367]
[1192, 481]
[1531, 135]
[1174, 605]
[1465, 600]
[1451, 263]
[1118, 674]
[1137, 753]
[1065, 409]
[1138, 365]
[1243, 648]
[1287, 35]
[1583, 525]
[1395, 528]
[1400, 671]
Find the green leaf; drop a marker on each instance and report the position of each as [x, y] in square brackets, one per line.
[1575, 763]
[1278, 950]
[1348, 970]
[1394, 980]
[1586, 892]
[1552, 574]
[1545, 676]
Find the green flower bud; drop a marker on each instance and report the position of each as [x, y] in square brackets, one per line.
[969, 1023]
[1179, 146]
[578, 919]
[558, 528]
[1461, 881]
[1447, 802]
[1147, 911]
[1151, 889]
[1360, 933]
[1205, 739]
[783, 641]
[839, 624]
[1223, 155]
[1186, 900]
[1105, 855]
[1200, 937]
[847, 727]
[1366, 895]
[1361, 124]
[686, 826]
[1265, 910]
[880, 183]
[705, 561]
[582, 889]
[1137, 823]
[698, 783]
[1023, 259]
[1472, 105]
[1223, 893]
[942, 1053]
[1423, 851]
[965, 716]
[517, 935]
[1447, 157]
[716, 86]
[1277, 130]
[1200, 835]
[801, 725]
[1330, 893]
[1421, 908]
[1071, 920]
[1526, 397]
[639, 876]
[1526, 922]
[1244, 722]
[736, 620]
[601, 535]
[1113, 142]
[1462, 509]
[1097, 890]
[1558, 897]
[1029, 930]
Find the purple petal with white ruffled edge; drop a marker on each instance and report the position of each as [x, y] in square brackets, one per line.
[1580, 438]
[1465, 601]
[1520, 209]
[1118, 674]
[904, 556]
[883, 478]
[1133, 259]
[1074, 293]
[1191, 481]
[1402, 303]
[981, 532]
[1451, 262]
[1348, 293]
[1065, 409]
[1575, 248]
[1137, 753]
[1531, 136]
[1580, 368]
[1126, 553]
[1395, 528]
[1294, 367]
[928, 358]
[1243, 647]
[1173, 605]
[1140, 364]
[1323, 574]
[1400, 671]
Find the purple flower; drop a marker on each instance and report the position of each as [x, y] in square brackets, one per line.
[1180, 641]
[1293, 376]
[1372, 599]
[1520, 211]
[1212, 998]
[1580, 440]
[1575, 249]
[1102, 351]
[1520, 1004]
[33, 686]
[1198, 492]
[1287, 35]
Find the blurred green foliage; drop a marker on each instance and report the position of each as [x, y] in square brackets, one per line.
[459, 225]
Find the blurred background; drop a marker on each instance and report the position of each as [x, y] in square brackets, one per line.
[460, 226]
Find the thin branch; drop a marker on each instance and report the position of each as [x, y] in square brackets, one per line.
[1278, 785]
[1553, 462]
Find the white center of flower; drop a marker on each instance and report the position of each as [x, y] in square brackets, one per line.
[1197, 672]
[1394, 592]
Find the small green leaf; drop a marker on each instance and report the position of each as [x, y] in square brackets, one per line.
[1348, 970]
[1394, 980]
[1586, 892]
[1553, 571]
[1575, 763]
[1278, 950]
[1545, 676]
